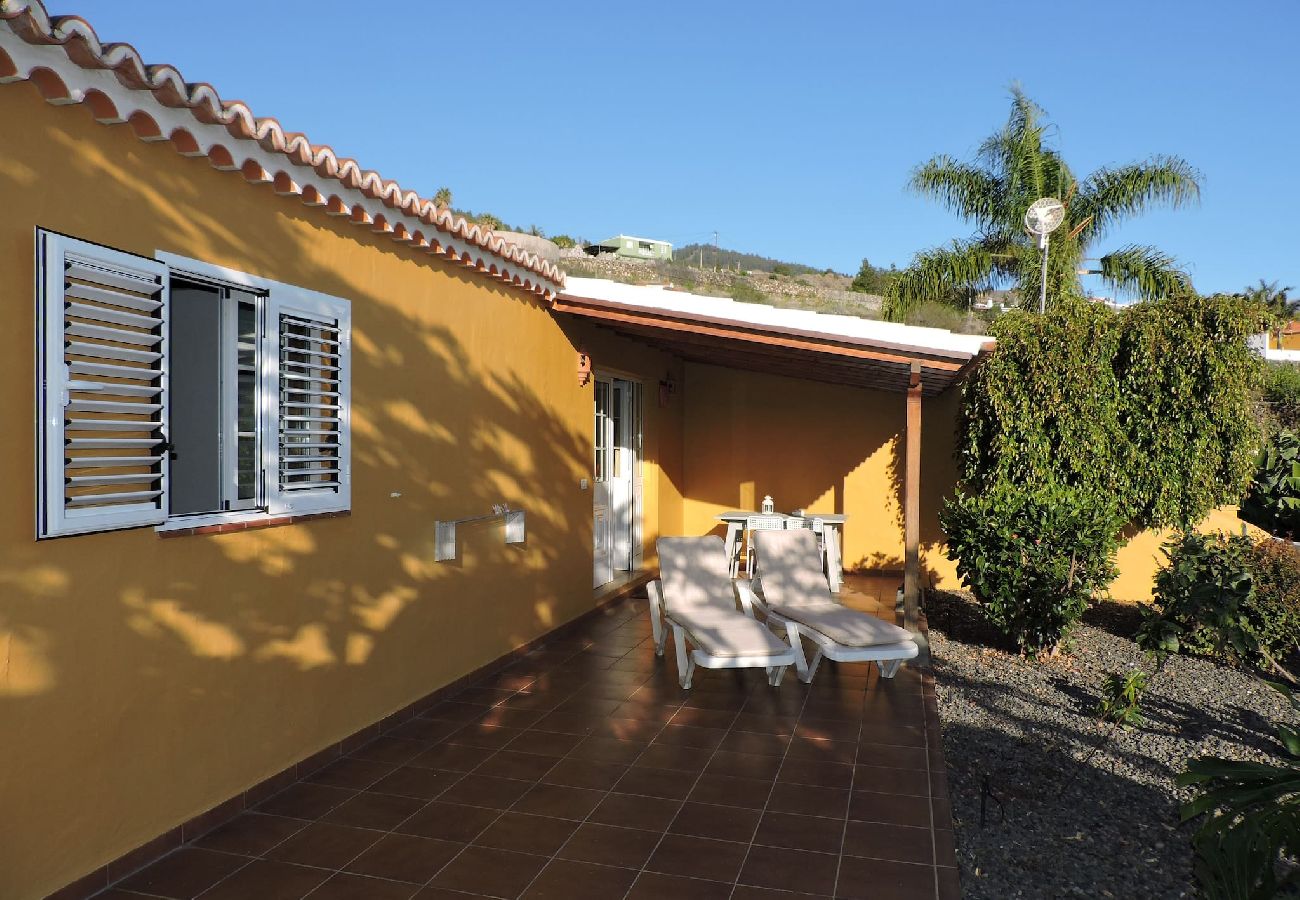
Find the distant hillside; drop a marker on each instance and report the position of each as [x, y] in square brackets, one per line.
[733, 259]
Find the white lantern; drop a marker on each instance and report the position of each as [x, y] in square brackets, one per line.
[768, 506]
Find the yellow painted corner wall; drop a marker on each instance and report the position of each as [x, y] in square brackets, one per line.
[144, 680]
[820, 447]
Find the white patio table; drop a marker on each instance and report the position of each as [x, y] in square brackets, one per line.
[735, 520]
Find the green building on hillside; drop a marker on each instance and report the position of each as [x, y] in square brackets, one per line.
[632, 248]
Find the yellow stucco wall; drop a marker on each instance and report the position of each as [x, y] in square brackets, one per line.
[143, 680]
[821, 447]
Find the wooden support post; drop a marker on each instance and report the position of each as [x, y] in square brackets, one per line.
[912, 505]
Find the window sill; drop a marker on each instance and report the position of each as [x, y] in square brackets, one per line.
[251, 523]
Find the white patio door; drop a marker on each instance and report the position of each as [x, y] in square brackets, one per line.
[603, 464]
[618, 495]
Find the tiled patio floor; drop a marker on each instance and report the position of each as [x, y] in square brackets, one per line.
[583, 771]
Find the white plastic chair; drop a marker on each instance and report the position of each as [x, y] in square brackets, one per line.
[696, 598]
[797, 597]
[758, 523]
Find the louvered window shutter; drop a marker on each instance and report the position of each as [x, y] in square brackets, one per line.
[102, 339]
[307, 359]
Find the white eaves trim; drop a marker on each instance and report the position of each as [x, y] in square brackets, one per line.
[655, 298]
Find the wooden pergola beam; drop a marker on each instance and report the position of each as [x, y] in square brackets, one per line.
[912, 505]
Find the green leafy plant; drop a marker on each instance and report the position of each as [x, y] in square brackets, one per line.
[1281, 395]
[1273, 499]
[1251, 819]
[1273, 615]
[1033, 556]
[1201, 596]
[1121, 697]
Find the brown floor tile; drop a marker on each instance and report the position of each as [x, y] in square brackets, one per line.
[305, 801]
[558, 801]
[381, 811]
[496, 873]
[610, 846]
[895, 734]
[656, 886]
[897, 842]
[945, 848]
[564, 879]
[878, 879]
[567, 723]
[452, 711]
[449, 822]
[791, 832]
[949, 883]
[628, 811]
[357, 887]
[655, 783]
[805, 800]
[545, 743]
[582, 773]
[744, 765]
[325, 845]
[697, 857]
[427, 730]
[750, 742]
[791, 870]
[724, 790]
[526, 834]
[891, 756]
[691, 736]
[746, 892]
[704, 718]
[451, 757]
[251, 834]
[641, 730]
[816, 773]
[268, 880]
[510, 717]
[388, 749]
[764, 723]
[914, 782]
[827, 729]
[893, 809]
[184, 873]
[682, 759]
[412, 781]
[823, 750]
[487, 737]
[726, 823]
[404, 857]
[608, 750]
[350, 772]
[484, 790]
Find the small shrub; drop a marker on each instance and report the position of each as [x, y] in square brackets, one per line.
[744, 292]
[1282, 393]
[1201, 595]
[1121, 695]
[1033, 557]
[1273, 499]
[1226, 596]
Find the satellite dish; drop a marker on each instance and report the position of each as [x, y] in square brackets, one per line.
[1044, 216]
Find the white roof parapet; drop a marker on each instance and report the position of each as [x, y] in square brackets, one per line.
[851, 329]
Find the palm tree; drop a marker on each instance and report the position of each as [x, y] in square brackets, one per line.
[1281, 308]
[442, 199]
[1014, 167]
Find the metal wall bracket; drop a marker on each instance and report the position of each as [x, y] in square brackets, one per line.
[445, 532]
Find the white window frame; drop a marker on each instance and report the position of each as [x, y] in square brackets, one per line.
[276, 294]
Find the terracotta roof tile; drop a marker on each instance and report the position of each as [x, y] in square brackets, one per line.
[233, 139]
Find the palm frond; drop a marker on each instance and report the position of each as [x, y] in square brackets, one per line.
[1111, 195]
[938, 275]
[968, 190]
[1146, 271]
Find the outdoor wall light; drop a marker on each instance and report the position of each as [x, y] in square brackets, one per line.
[584, 368]
[667, 388]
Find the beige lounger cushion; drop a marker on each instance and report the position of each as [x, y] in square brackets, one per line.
[849, 627]
[728, 634]
[695, 574]
[795, 587]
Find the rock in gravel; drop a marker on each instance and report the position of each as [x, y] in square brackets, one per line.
[1050, 802]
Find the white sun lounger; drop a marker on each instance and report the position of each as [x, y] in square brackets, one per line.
[796, 596]
[697, 599]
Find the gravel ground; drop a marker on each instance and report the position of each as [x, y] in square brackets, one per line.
[1035, 816]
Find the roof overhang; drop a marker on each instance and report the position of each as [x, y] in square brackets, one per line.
[797, 343]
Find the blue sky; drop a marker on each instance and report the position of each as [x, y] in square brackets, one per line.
[789, 128]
